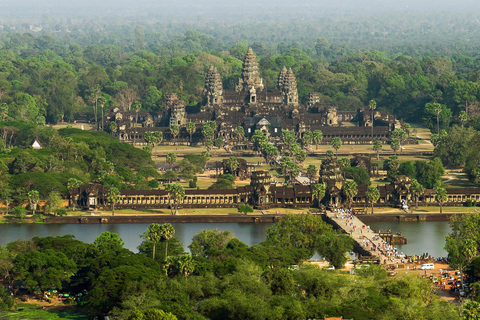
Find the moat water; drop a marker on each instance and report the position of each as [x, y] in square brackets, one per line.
[422, 236]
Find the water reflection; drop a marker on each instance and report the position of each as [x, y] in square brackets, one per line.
[249, 233]
[422, 236]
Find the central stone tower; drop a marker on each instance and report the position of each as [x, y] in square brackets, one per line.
[250, 80]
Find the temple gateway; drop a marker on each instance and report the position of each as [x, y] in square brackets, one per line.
[253, 106]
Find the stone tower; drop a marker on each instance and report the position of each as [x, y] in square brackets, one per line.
[213, 87]
[250, 80]
[331, 176]
[176, 107]
[290, 92]
[260, 182]
[313, 98]
[281, 78]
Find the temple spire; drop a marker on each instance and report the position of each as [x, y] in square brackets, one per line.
[281, 78]
[213, 87]
[250, 74]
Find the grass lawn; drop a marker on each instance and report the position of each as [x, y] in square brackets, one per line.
[33, 311]
[189, 211]
[86, 126]
[436, 209]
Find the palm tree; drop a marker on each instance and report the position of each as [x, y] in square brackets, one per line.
[400, 135]
[373, 195]
[377, 146]
[441, 196]
[240, 132]
[184, 264]
[113, 195]
[191, 130]
[232, 165]
[463, 117]
[176, 192]
[167, 232]
[174, 130]
[437, 108]
[150, 138]
[417, 191]
[154, 234]
[102, 104]
[159, 137]
[33, 197]
[171, 158]
[372, 105]
[311, 171]
[408, 129]
[307, 139]
[395, 145]
[350, 190]
[319, 192]
[317, 137]
[137, 105]
[336, 144]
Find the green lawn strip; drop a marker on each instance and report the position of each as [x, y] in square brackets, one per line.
[27, 311]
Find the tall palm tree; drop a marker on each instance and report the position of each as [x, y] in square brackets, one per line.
[167, 232]
[441, 196]
[417, 191]
[373, 195]
[336, 144]
[176, 192]
[240, 132]
[154, 234]
[317, 137]
[319, 192]
[191, 130]
[137, 105]
[174, 130]
[372, 105]
[377, 146]
[437, 109]
[113, 195]
[350, 190]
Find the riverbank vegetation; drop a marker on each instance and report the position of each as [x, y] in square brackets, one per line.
[222, 278]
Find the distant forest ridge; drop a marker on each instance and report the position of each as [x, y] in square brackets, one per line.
[407, 31]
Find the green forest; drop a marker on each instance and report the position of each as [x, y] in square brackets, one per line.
[45, 79]
[222, 278]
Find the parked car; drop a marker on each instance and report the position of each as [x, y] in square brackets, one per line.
[427, 266]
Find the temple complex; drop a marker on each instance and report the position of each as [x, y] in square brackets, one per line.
[263, 193]
[253, 106]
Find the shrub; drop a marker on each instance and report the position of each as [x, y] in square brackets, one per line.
[61, 212]
[153, 184]
[38, 217]
[359, 175]
[469, 203]
[193, 183]
[244, 208]
[19, 212]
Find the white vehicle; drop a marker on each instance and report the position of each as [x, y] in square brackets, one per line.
[427, 266]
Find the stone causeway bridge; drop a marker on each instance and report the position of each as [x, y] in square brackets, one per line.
[367, 243]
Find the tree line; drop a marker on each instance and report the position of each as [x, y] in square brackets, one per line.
[46, 80]
[220, 278]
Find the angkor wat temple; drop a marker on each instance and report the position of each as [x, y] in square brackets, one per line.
[262, 193]
[253, 106]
